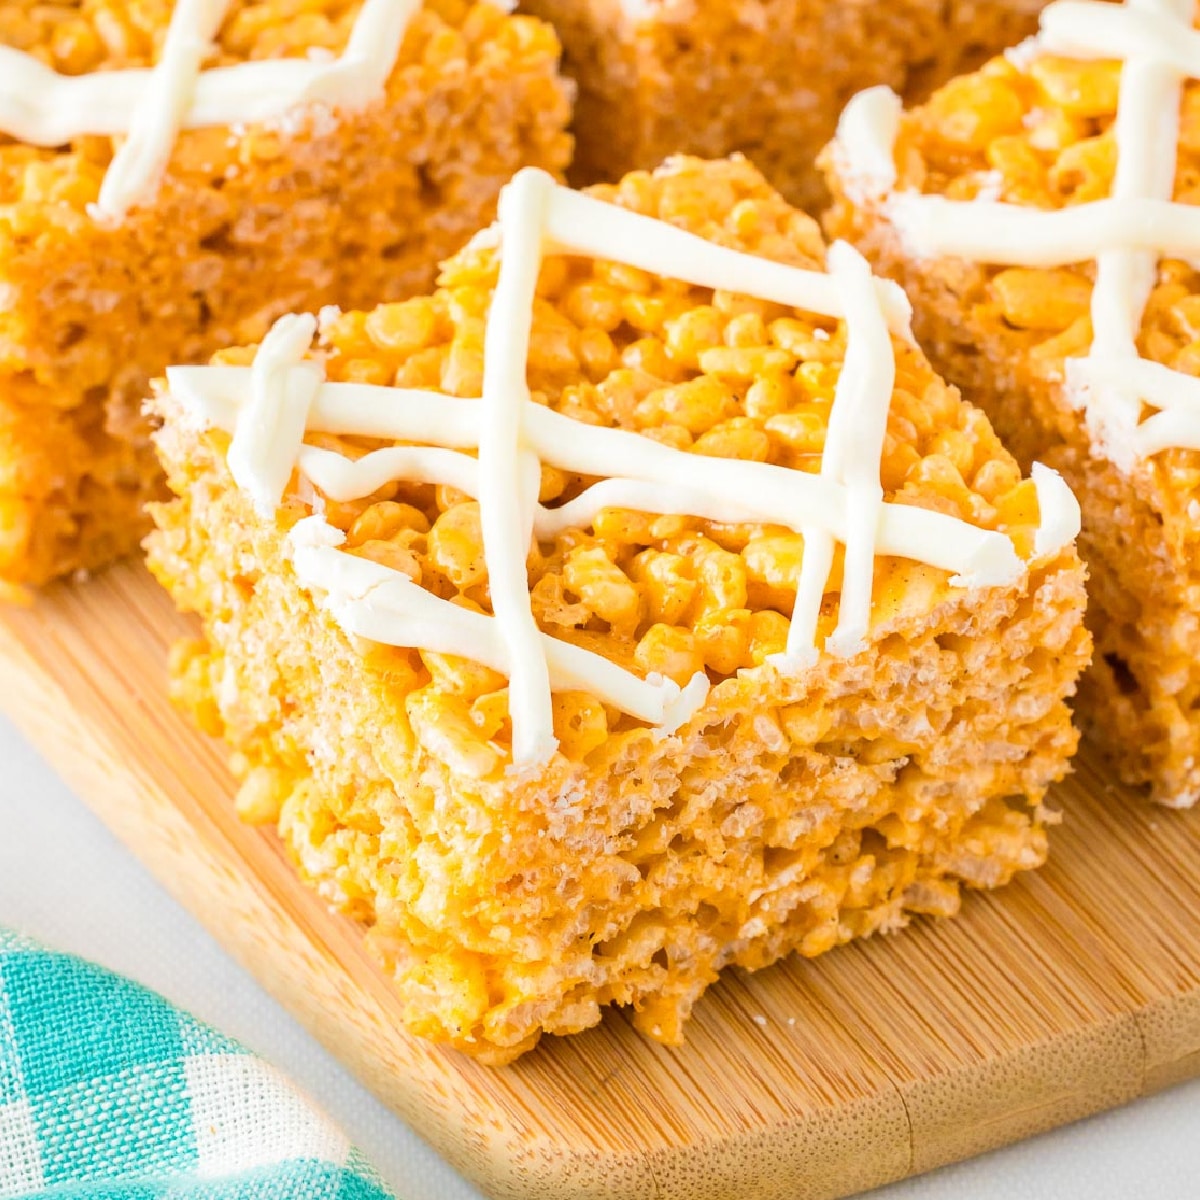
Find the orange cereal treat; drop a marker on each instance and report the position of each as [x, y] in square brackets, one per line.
[767, 77]
[1041, 214]
[637, 604]
[173, 177]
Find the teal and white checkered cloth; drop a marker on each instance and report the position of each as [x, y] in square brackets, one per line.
[107, 1092]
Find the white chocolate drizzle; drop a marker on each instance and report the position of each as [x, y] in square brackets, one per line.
[864, 148]
[155, 125]
[1134, 407]
[493, 448]
[382, 605]
[270, 429]
[151, 105]
[510, 474]
[853, 447]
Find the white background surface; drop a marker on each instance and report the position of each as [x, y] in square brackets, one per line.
[66, 880]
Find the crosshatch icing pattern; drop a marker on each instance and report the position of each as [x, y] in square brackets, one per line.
[150, 106]
[1125, 234]
[269, 407]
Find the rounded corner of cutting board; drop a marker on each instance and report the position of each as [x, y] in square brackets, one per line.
[1074, 989]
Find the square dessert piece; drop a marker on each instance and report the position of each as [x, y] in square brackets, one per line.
[1042, 215]
[175, 177]
[638, 603]
[767, 78]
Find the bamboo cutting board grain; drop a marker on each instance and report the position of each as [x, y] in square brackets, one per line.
[1073, 990]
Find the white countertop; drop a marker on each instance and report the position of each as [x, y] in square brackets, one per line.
[66, 880]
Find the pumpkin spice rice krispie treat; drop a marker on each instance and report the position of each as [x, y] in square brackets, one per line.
[175, 175]
[678, 625]
[1043, 216]
[766, 77]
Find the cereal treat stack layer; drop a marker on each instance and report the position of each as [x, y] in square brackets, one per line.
[1042, 215]
[174, 177]
[678, 624]
[766, 77]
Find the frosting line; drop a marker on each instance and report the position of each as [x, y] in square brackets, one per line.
[509, 471]
[381, 605]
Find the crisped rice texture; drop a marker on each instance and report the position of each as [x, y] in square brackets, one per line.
[765, 77]
[792, 813]
[1042, 137]
[320, 207]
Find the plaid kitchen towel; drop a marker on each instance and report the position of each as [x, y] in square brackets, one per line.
[107, 1092]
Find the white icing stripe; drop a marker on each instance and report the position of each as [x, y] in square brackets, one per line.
[509, 473]
[270, 429]
[982, 556]
[268, 407]
[371, 601]
[1058, 511]
[43, 108]
[1170, 428]
[1099, 29]
[1124, 382]
[1175, 388]
[854, 443]
[815, 568]
[343, 479]
[1126, 234]
[865, 144]
[658, 478]
[346, 409]
[133, 175]
[581, 224]
[1146, 132]
[362, 71]
[1010, 235]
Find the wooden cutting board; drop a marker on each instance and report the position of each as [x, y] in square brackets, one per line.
[1071, 991]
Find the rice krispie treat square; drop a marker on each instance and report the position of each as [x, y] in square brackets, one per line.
[765, 77]
[636, 604]
[175, 176]
[1042, 216]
